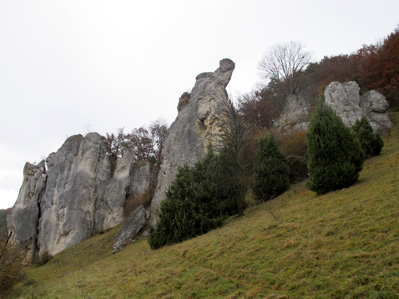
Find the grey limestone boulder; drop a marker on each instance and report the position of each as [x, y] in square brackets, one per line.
[131, 228]
[345, 100]
[350, 106]
[196, 127]
[375, 107]
[295, 115]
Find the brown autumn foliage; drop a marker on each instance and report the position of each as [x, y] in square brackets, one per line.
[379, 67]
[133, 202]
[339, 68]
[145, 143]
[259, 109]
[11, 264]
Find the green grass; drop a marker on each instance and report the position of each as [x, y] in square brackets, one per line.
[344, 244]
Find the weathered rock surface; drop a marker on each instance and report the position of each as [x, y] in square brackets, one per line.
[345, 100]
[68, 204]
[24, 219]
[112, 194]
[131, 227]
[77, 196]
[295, 115]
[350, 106]
[195, 128]
[375, 108]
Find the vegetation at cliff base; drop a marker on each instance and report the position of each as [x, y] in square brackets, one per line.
[198, 200]
[335, 156]
[371, 142]
[343, 244]
[271, 171]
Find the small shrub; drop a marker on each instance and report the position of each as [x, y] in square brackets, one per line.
[371, 143]
[293, 144]
[271, 170]
[45, 257]
[298, 168]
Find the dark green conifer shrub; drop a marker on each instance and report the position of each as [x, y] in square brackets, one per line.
[371, 143]
[271, 170]
[199, 200]
[335, 157]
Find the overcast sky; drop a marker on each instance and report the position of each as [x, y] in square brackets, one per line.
[74, 66]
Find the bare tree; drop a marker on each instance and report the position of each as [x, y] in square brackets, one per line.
[283, 65]
[233, 136]
[158, 129]
[258, 109]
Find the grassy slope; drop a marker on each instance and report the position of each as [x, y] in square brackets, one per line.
[341, 245]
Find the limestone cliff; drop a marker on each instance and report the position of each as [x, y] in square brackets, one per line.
[76, 196]
[24, 219]
[195, 128]
[79, 194]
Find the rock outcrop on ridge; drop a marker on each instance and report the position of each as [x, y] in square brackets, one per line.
[346, 100]
[196, 127]
[75, 193]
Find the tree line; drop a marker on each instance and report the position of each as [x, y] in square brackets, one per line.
[287, 69]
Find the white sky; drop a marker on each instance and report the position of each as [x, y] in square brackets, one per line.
[74, 66]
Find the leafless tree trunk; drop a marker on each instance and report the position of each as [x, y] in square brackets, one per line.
[233, 135]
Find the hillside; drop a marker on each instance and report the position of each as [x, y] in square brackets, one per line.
[340, 245]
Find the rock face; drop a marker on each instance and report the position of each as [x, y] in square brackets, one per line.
[68, 204]
[345, 99]
[195, 128]
[131, 227]
[77, 196]
[24, 219]
[350, 106]
[295, 115]
[375, 108]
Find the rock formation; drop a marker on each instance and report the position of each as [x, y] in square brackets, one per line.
[295, 115]
[375, 108]
[131, 228]
[24, 219]
[196, 127]
[346, 100]
[77, 196]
